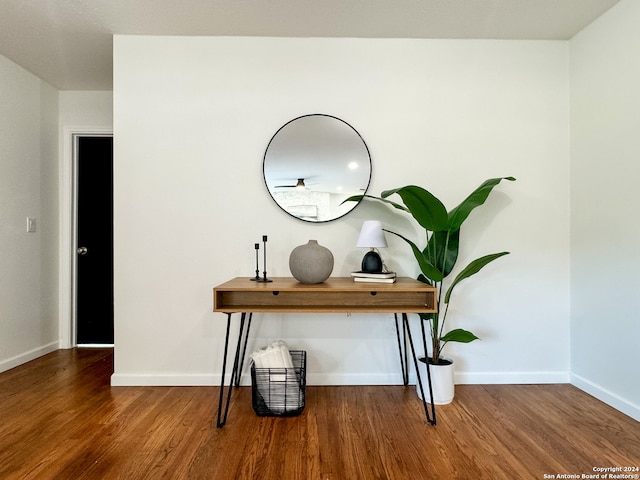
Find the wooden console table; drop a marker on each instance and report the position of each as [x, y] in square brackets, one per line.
[336, 295]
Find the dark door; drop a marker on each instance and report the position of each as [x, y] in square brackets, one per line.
[94, 275]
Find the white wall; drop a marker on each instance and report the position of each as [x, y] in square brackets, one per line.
[86, 109]
[28, 188]
[605, 233]
[192, 117]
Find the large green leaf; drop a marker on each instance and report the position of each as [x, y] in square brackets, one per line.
[458, 215]
[426, 267]
[459, 335]
[442, 250]
[428, 211]
[354, 198]
[357, 198]
[471, 269]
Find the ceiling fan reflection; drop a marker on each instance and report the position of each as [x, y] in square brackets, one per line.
[299, 185]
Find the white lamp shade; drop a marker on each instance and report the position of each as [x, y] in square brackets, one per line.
[371, 235]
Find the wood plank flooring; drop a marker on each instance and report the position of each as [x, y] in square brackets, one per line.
[61, 420]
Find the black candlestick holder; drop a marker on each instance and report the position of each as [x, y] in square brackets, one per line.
[257, 277]
[264, 278]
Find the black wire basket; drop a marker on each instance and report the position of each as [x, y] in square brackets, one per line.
[280, 392]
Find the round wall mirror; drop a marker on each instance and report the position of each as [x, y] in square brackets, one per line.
[313, 163]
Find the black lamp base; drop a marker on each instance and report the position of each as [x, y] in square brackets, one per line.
[371, 262]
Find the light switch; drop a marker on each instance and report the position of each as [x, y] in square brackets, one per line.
[31, 225]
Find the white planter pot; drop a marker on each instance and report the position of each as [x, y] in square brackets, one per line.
[441, 381]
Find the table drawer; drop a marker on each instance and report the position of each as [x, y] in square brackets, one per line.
[371, 300]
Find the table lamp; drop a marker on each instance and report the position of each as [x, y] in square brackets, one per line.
[371, 237]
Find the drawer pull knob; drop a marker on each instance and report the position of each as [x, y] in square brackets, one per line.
[373, 294]
[276, 292]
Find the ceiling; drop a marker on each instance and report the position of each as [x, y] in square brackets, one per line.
[68, 43]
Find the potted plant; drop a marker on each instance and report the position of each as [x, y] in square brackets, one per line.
[437, 261]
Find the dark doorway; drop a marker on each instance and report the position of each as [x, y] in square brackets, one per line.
[94, 233]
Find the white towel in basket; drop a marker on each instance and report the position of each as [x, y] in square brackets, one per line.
[282, 392]
[274, 356]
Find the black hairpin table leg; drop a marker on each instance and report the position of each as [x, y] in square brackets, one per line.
[402, 348]
[431, 418]
[237, 362]
[238, 372]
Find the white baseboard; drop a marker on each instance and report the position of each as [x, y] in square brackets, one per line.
[318, 379]
[204, 380]
[25, 357]
[329, 379]
[606, 396]
[510, 378]
[164, 380]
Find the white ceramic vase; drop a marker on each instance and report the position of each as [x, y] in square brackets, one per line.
[441, 381]
[311, 262]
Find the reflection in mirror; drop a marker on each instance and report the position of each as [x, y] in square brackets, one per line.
[313, 163]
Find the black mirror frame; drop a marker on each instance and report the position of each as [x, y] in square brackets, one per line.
[264, 177]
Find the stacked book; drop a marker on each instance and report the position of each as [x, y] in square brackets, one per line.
[383, 277]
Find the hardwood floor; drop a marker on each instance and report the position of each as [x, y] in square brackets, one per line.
[61, 420]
